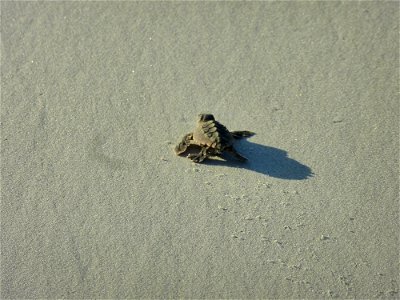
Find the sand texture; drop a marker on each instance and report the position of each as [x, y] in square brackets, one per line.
[95, 203]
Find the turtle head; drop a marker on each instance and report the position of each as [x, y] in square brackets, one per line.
[206, 117]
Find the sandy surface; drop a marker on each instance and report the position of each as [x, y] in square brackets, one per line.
[95, 204]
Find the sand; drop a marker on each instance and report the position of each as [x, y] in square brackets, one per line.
[95, 204]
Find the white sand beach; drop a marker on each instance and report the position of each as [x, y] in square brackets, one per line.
[95, 203]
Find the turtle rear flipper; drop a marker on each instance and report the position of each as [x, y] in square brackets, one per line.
[199, 157]
[242, 134]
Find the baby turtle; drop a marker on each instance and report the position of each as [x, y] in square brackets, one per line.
[213, 138]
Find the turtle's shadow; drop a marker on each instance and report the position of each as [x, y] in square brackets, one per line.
[266, 160]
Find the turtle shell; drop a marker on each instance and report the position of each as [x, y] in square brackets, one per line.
[212, 134]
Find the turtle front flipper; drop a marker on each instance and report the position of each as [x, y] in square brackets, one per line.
[242, 134]
[184, 144]
[236, 154]
[199, 157]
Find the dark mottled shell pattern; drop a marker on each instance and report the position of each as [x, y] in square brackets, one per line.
[213, 134]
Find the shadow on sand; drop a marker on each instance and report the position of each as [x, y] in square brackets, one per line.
[266, 160]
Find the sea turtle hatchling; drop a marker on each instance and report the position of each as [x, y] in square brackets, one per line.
[213, 138]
